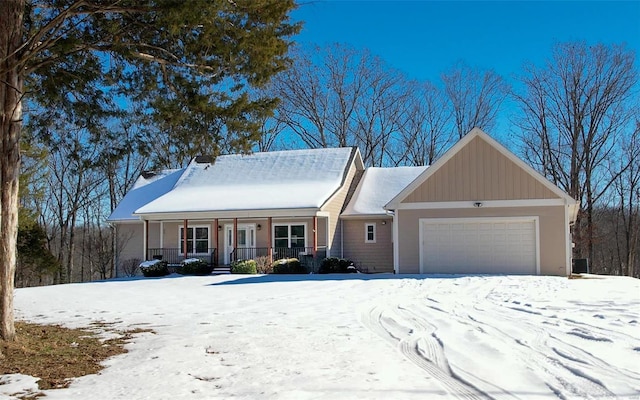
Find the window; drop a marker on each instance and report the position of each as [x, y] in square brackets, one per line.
[370, 233]
[289, 236]
[197, 239]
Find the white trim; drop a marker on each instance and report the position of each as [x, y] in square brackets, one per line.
[568, 239]
[328, 235]
[194, 226]
[230, 214]
[161, 234]
[356, 156]
[341, 239]
[422, 221]
[252, 227]
[537, 228]
[366, 216]
[484, 204]
[144, 241]
[366, 232]
[323, 214]
[396, 245]
[289, 224]
[475, 132]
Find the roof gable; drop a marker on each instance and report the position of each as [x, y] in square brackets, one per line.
[145, 188]
[478, 168]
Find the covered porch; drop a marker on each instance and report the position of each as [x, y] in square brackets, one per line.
[221, 241]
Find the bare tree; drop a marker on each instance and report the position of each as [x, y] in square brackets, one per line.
[424, 132]
[627, 190]
[574, 110]
[339, 96]
[475, 97]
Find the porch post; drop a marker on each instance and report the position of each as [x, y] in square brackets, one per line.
[146, 239]
[269, 240]
[215, 241]
[184, 238]
[235, 235]
[315, 235]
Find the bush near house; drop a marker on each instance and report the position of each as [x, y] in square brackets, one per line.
[244, 267]
[288, 266]
[334, 265]
[264, 265]
[194, 266]
[154, 268]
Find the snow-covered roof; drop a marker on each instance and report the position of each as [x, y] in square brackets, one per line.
[146, 187]
[377, 187]
[260, 181]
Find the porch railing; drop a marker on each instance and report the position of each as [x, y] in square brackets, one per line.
[175, 256]
[278, 253]
[304, 254]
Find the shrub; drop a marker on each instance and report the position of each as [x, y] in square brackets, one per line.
[194, 266]
[334, 265]
[288, 266]
[154, 268]
[130, 266]
[244, 267]
[263, 265]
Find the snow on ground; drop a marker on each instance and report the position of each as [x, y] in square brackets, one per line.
[364, 336]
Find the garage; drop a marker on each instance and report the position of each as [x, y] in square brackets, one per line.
[479, 245]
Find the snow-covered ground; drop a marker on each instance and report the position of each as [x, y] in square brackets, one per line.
[345, 337]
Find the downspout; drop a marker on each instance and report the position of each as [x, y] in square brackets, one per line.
[328, 236]
[114, 248]
[568, 239]
[145, 239]
[184, 238]
[341, 238]
[396, 245]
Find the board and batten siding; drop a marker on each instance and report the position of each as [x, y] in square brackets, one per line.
[479, 172]
[334, 207]
[374, 257]
[551, 225]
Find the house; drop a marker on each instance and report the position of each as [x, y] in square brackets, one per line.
[478, 209]
[275, 204]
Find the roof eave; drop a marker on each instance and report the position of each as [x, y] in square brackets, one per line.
[228, 214]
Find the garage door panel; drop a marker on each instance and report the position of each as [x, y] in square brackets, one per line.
[471, 247]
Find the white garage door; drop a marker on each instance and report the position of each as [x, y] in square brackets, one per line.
[478, 246]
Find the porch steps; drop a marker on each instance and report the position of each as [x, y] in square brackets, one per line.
[221, 269]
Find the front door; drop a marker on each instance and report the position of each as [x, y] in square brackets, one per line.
[246, 242]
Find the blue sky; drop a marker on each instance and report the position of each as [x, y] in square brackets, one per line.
[424, 38]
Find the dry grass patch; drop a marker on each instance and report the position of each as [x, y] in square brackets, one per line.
[55, 354]
[582, 276]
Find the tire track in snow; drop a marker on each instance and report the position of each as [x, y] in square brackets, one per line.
[572, 379]
[558, 373]
[415, 340]
[562, 375]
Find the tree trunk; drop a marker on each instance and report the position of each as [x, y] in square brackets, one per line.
[11, 82]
